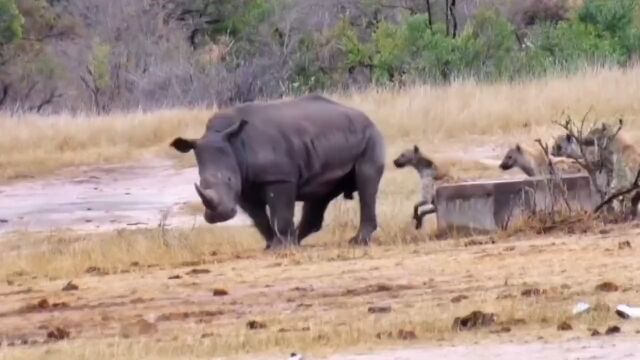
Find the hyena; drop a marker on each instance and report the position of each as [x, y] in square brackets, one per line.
[618, 158]
[533, 162]
[429, 174]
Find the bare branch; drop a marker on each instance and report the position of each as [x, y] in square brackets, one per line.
[635, 186]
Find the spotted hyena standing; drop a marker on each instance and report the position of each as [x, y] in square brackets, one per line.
[533, 162]
[429, 174]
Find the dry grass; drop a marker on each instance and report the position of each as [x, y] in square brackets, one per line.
[40, 145]
[433, 117]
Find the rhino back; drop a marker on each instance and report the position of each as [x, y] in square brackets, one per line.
[302, 139]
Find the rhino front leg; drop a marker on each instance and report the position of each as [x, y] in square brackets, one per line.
[281, 200]
[368, 177]
[258, 213]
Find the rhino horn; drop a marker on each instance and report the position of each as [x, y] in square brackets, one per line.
[208, 197]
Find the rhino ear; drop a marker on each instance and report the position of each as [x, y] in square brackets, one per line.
[183, 145]
[235, 129]
[416, 149]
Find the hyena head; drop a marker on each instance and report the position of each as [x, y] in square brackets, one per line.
[598, 134]
[515, 157]
[415, 158]
[566, 146]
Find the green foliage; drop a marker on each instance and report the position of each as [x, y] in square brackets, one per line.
[356, 52]
[11, 22]
[100, 64]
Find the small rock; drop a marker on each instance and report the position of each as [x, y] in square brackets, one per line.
[564, 326]
[295, 356]
[383, 309]
[138, 328]
[220, 292]
[406, 335]
[43, 304]
[59, 333]
[198, 271]
[475, 319]
[533, 292]
[615, 329]
[3, 221]
[595, 332]
[607, 286]
[255, 325]
[134, 264]
[70, 286]
[459, 298]
[174, 277]
[386, 334]
[624, 245]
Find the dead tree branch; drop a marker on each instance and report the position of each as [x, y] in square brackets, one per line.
[635, 186]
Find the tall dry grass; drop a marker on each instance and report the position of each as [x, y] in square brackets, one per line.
[436, 117]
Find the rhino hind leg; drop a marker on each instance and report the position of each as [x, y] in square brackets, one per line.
[312, 217]
[281, 203]
[368, 175]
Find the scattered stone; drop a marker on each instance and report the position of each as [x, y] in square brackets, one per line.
[406, 335]
[533, 292]
[43, 304]
[615, 329]
[624, 245]
[220, 292]
[381, 309]
[58, 333]
[564, 326]
[385, 334]
[134, 264]
[509, 248]
[181, 316]
[70, 286]
[198, 271]
[4, 221]
[607, 286]
[137, 328]
[206, 335]
[459, 298]
[95, 270]
[580, 308]
[256, 325]
[501, 330]
[174, 277]
[475, 319]
[595, 332]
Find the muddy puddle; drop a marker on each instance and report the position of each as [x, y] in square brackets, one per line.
[104, 198]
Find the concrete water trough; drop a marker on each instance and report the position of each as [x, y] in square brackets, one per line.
[488, 206]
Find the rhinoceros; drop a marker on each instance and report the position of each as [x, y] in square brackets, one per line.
[260, 156]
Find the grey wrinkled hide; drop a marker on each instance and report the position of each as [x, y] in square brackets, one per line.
[270, 155]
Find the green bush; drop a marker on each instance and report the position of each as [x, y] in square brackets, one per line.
[11, 22]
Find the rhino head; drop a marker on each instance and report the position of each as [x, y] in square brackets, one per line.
[220, 179]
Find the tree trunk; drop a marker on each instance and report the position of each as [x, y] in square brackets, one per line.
[430, 22]
[454, 21]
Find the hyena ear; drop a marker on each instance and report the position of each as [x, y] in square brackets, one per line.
[569, 138]
[416, 149]
[518, 148]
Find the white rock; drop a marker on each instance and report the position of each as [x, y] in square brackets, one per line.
[580, 308]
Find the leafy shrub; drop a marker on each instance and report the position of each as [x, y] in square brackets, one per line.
[10, 22]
